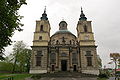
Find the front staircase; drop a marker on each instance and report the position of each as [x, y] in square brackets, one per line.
[66, 74]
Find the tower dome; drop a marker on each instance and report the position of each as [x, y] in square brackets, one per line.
[63, 29]
[62, 25]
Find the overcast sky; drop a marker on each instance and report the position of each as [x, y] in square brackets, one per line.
[104, 14]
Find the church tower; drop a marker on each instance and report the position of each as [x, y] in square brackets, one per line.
[87, 45]
[42, 31]
[40, 45]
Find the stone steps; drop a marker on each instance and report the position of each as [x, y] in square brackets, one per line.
[67, 74]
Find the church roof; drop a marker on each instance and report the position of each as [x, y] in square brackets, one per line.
[82, 15]
[44, 15]
[63, 32]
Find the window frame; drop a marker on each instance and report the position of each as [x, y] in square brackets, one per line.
[41, 28]
[40, 37]
[85, 28]
[39, 58]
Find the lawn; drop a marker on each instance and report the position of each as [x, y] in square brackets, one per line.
[102, 79]
[15, 76]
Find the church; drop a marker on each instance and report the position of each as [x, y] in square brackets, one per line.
[64, 51]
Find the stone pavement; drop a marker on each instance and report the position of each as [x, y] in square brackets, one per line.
[113, 78]
[66, 78]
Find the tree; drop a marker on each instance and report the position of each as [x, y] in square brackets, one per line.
[9, 21]
[21, 55]
[1, 57]
[115, 57]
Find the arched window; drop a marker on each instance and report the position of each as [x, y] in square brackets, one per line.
[52, 57]
[41, 28]
[63, 25]
[63, 54]
[74, 57]
[85, 29]
[38, 58]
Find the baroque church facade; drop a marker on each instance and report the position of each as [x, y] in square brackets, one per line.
[63, 51]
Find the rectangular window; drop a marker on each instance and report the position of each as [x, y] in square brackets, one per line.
[40, 38]
[38, 61]
[89, 61]
[38, 58]
[88, 53]
[41, 28]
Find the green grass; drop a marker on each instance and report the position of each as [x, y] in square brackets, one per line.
[4, 74]
[15, 76]
[102, 79]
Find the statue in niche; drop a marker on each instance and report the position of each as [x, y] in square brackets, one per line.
[73, 42]
[57, 42]
[53, 41]
[63, 40]
[70, 42]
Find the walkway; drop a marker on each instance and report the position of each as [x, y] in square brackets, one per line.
[113, 78]
[60, 78]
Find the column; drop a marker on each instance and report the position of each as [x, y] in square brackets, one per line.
[70, 59]
[57, 58]
[79, 58]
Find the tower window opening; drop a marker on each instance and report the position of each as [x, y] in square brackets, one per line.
[85, 29]
[40, 38]
[41, 28]
[63, 25]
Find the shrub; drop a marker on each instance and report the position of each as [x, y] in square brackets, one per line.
[103, 76]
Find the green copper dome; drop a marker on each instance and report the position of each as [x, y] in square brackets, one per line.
[63, 32]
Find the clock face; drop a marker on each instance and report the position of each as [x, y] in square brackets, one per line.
[86, 37]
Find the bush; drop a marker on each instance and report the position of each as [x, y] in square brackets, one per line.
[103, 76]
[117, 72]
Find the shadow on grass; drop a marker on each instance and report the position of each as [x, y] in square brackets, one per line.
[14, 76]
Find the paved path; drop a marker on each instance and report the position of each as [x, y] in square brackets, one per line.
[113, 78]
[68, 79]
[61, 78]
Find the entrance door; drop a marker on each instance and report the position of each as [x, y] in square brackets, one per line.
[75, 68]
[64, 65]
[53, 68]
